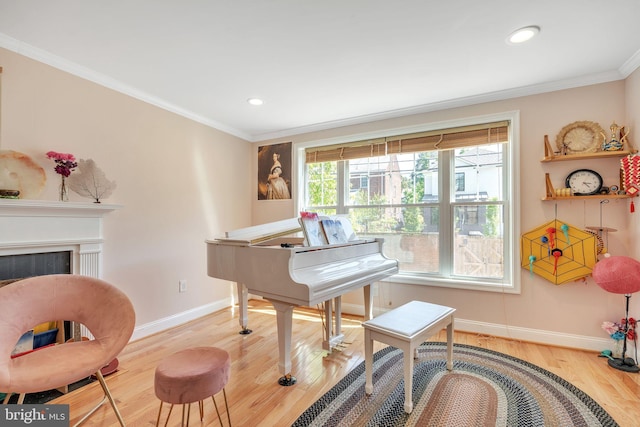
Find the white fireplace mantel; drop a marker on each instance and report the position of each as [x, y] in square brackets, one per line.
[33, 226]
[13, 207]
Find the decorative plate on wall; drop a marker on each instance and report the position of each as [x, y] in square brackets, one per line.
[580, 137]
[19, 172]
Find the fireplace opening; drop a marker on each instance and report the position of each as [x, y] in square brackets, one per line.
[21, 266]
[16, 267]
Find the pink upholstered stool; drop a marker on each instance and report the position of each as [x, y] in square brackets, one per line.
[192, 375]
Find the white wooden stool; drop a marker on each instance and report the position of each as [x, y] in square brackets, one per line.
[406, 327]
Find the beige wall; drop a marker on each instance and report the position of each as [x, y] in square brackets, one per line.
[179, 182]
[543, 311]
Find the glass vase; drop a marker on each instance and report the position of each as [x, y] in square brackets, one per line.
[64, 192]
[616, 351]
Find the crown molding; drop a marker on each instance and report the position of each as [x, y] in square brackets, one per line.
[630, 65]
[70, 67]
[57, 62]
[502, 95]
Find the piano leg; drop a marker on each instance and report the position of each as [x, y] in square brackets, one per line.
[284, 316]
[368, 306]
[328, 325]
[332, 336]
[338, 309]
[243, 301]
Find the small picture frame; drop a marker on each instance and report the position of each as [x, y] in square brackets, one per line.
[333, 231]
[312, 229]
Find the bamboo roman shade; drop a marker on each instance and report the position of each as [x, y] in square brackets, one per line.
[442, 139]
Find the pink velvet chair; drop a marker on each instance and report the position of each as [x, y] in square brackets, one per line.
[98, 305]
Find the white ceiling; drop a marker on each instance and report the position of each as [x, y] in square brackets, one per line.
[324, 63]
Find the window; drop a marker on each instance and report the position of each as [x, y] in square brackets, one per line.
[443, 200]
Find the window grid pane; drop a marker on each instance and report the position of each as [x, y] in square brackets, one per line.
[322, 182]
[479, 246]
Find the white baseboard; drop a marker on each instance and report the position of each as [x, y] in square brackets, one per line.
[163, 324]
[581, 342]
[505, 331]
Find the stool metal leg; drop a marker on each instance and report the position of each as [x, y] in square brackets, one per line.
[159, 412]
[168, 415]
[217, 411]
[188, 413]
[226, 405]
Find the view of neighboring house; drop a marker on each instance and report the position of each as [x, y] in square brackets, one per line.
[389, 179]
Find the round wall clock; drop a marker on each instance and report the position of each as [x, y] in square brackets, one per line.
[580, 137]
[584, 182]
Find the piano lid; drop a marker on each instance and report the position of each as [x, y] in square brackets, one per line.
[262, 232]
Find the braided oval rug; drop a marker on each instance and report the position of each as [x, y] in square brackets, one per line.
[485, 388]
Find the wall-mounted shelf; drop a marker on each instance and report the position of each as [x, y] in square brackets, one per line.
[586, 156]
[550, 156]
[551, 194]
[595, 196]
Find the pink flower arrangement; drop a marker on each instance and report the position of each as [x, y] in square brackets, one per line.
[65, 163]
[617, 330]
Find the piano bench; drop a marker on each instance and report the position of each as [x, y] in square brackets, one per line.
[406, 327]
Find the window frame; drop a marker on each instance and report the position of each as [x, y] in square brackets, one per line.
[511, 184]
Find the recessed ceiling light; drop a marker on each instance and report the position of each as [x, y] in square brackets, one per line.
[255, 101]
[523, 34]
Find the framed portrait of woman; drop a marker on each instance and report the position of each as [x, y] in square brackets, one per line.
[274, 171]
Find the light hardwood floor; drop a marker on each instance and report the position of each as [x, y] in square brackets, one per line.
[255, 397]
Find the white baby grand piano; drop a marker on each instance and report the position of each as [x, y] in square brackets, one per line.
[263, 261]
